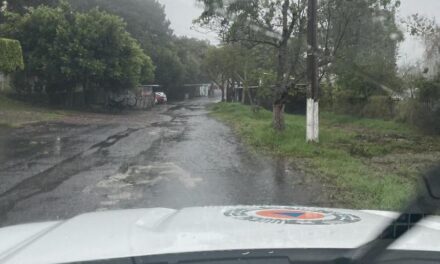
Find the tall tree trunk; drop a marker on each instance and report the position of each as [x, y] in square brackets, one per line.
[223, 93]
[282, 74]
[86, 96]
[221, 86]
[69, 97]
[244, 83]
[281, 93]
[243, 93]
[228, 92]
[278, 117]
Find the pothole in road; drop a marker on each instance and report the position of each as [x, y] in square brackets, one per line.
[176, 121]
[177, 107]
[132, 176]
[122, 186]
[150, 175]
[189, 107]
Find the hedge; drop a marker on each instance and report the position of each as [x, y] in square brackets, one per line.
[11, 56]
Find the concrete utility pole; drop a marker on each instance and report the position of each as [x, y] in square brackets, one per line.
[313, 88]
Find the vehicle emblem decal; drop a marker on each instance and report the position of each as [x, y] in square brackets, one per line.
[292, 215]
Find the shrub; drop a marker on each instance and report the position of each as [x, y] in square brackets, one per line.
[419, 115]
[11, 57]
[345, 103]
[379, 107]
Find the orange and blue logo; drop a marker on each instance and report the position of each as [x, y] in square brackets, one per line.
[291, 215]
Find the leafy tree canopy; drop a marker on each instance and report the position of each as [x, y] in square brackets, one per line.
[177, 60]
[64, 49]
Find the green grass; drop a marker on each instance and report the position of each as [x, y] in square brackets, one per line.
[15, 113]
[369, 162]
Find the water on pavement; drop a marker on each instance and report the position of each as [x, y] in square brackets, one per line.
[174, 156]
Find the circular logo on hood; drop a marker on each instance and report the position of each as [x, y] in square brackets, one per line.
[292, 215]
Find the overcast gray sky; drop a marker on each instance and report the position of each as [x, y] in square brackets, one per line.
[182, 12]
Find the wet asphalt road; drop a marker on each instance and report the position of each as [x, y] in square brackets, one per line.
[173, 156]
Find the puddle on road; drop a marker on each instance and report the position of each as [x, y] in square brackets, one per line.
[132, 176]
[172, 170]
[120, 186]
[150, 175]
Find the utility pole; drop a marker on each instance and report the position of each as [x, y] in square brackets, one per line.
[313, 87]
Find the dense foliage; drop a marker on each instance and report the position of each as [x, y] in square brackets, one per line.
[65, 49]
[99, 46]
[366, 63]
[11, 57]
[177, 60]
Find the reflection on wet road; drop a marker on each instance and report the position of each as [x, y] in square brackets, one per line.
[174, 156]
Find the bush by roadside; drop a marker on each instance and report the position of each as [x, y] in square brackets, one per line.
[419, 115]
[416, 103]
[368, 163]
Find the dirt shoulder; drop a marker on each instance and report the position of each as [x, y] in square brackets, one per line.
[14, 113]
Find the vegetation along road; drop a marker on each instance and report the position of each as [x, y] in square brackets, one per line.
[364, 163]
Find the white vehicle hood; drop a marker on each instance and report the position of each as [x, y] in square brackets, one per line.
[140, 232]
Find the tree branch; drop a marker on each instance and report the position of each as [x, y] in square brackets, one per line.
[258, 41]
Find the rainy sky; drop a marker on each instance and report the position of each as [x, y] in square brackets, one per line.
[182, 12]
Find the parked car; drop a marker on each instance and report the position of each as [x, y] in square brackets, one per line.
[160, 98]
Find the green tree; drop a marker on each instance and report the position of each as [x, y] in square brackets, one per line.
[254, 22]
[366, 62]
[65, 49]
[22, 6]
[169, 71]
[146, 19]
[191, 53]
[216, 67]
[281, 27]
[147, 22]
[425, 110]
[108, 56]
[231, 63]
